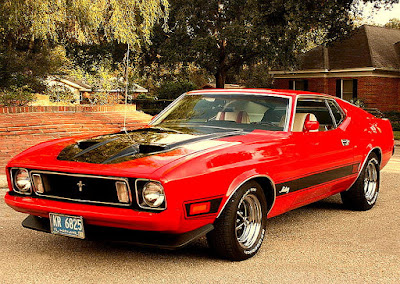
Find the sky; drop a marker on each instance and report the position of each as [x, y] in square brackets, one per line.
[381, 16]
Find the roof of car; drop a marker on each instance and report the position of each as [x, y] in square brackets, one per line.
[280, 92]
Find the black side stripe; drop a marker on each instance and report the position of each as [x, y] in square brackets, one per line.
[314, 179]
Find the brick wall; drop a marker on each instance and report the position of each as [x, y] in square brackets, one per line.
[77, 108]
[377, 92]
[382, 93]
[18, 131]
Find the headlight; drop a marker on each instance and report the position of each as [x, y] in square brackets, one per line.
[22, 181]
[153, 194]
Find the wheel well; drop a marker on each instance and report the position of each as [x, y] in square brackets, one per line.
[268, 189]
[378, 153]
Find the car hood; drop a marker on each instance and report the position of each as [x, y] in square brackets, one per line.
[125, 146]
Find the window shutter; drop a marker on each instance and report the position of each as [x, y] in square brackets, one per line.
[291, 85]
[305, 85]
[338, 88]
[355, 88]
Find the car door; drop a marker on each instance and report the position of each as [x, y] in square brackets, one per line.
[322, 156]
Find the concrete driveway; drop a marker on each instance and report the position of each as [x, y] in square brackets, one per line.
[321, 243]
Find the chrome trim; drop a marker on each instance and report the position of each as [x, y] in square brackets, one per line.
[325, 99]
[363, 164]
[137, 195]
[294, 112]
[88, 176]
[288, 114]
[345, 142]
[13, 181]
[340, 110]
[331, 113]
[250, 178]
[158, 116]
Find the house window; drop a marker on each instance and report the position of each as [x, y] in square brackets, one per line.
[346, 89]
[300, 85]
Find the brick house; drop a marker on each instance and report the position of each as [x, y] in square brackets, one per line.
[364, 66]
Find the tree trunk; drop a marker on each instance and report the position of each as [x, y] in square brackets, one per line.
[220, 79]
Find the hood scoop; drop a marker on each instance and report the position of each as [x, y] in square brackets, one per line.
[120, 147]
[83, 145]
[151, 148]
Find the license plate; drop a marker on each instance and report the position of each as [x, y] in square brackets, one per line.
[71, 226]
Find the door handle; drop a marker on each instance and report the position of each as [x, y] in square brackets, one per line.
[345, 142]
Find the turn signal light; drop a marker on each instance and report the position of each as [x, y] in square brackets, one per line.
[200, 208]
[122, 192]
[38, 183]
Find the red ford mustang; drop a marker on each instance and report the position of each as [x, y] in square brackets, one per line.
[215, 162]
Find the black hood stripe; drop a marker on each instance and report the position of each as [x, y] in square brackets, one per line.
[120, 147]
[97, 145]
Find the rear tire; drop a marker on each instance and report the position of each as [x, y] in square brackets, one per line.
[240, 229]
[364, 192]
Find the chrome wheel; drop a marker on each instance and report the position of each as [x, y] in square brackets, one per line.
[248, 219]
[371, 181]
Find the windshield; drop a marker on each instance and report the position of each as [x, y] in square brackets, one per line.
[237, 111]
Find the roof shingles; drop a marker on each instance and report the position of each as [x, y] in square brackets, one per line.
[368, 46]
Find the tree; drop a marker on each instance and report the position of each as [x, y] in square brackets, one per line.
[84, 21]
[34, 33]
[393, 24]
[223, 35]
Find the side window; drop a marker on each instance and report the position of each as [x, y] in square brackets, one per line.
[336, 112]
[318, 108]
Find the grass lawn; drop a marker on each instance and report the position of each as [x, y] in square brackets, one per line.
[396, 135]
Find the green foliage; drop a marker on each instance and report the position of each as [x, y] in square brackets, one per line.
[173, 89]
[20, 68]
[17, 96]
[396, 135]
[393, 24]
[145, 96]
[82, 21]
[358, 102]
[33, 34]
[60, 93]
[221, 36]
[254, 76]
[98, 98]
[394, 117]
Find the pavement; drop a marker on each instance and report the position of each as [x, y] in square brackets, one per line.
[3, 181]
[319, 243]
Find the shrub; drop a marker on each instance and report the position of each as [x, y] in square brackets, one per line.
[172, 90]
[16, 96]
[394, 117]
[60, 93]
[145, 96]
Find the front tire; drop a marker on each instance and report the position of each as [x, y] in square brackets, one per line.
[363, 194]
[240, 230]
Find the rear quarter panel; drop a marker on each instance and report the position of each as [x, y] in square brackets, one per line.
[368, 133]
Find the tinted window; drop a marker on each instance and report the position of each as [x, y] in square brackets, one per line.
[336, 111]
[319, 109]
[243, 111]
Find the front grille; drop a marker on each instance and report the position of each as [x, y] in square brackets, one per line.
[81, 188]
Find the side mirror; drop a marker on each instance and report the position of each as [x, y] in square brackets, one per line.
[311, 125]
